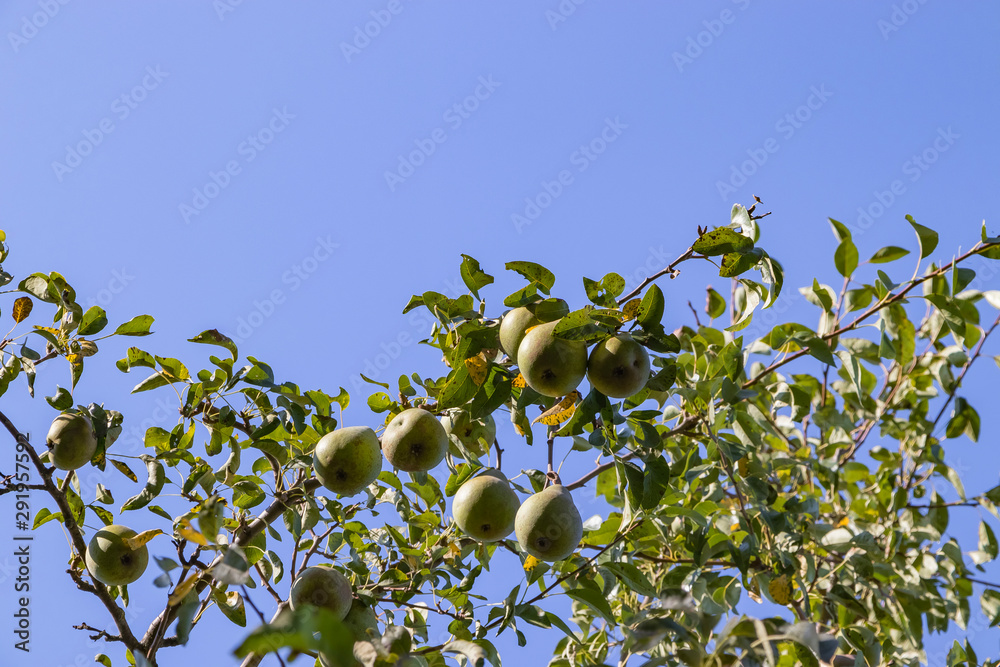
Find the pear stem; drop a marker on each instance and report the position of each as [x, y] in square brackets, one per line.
[550, 474]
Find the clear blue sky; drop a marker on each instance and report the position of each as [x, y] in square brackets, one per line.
[250, 166]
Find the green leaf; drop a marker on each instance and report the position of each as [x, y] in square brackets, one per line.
[651, 307]
[890, 253]
[231, 604]
[990, 602]
[214, 337]
[472, 651]
[581, 325]
[927, 237]
[63, 400]
[44, 515]
[473, 276]
[605, 292]
[722, 241]
[535, 273]
[93, 321]
[821, 293]
[840, 230]
[596, 601]
[715, 304]
[137, 326]
[846, 258]
[734, 263]
[633, 578]
[154, 484]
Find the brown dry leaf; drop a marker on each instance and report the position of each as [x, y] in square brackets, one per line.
[22, 308]
[561, 411]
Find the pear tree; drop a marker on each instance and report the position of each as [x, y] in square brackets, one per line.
[802, 466]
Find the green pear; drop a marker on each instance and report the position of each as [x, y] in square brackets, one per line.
[485, 507]
[414, 441]
[111, 561]
[470, 432]
[551, 366]
[548, 525]
[512, 328]
[321, 586]
[348, 459]
[618, 366]
[71, 441]
[360, 620]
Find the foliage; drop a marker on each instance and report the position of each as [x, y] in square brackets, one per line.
[744, 469]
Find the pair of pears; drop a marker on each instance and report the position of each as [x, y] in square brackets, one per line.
[349, 459]
[548, 525]
[617, 367]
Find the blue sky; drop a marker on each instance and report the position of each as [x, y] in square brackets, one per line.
[291, 172]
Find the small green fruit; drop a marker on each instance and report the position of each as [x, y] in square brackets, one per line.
[512, 328]
[470, 432]
[548, 525]
[551, 366]
[71, 441]
[348, 459]
[618, 366]
[414, 441]
[360, 620]
[322, 587]
[485, 507]
[111, 561]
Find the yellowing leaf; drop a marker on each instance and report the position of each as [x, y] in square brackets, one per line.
[843, 522]
[187, 531]
[530, 563]
[780, 589]
[744, 466]
[22, 308]
[477, 367]
[561, 411]
[142, 538]
[183, 589]
[124, 469]
[453, 552]
[630, 309]
[519, 382]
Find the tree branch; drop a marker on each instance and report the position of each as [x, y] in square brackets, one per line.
[868, 313]
[76, 535]
[669, 268]
[686, 424]
[242, 537]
